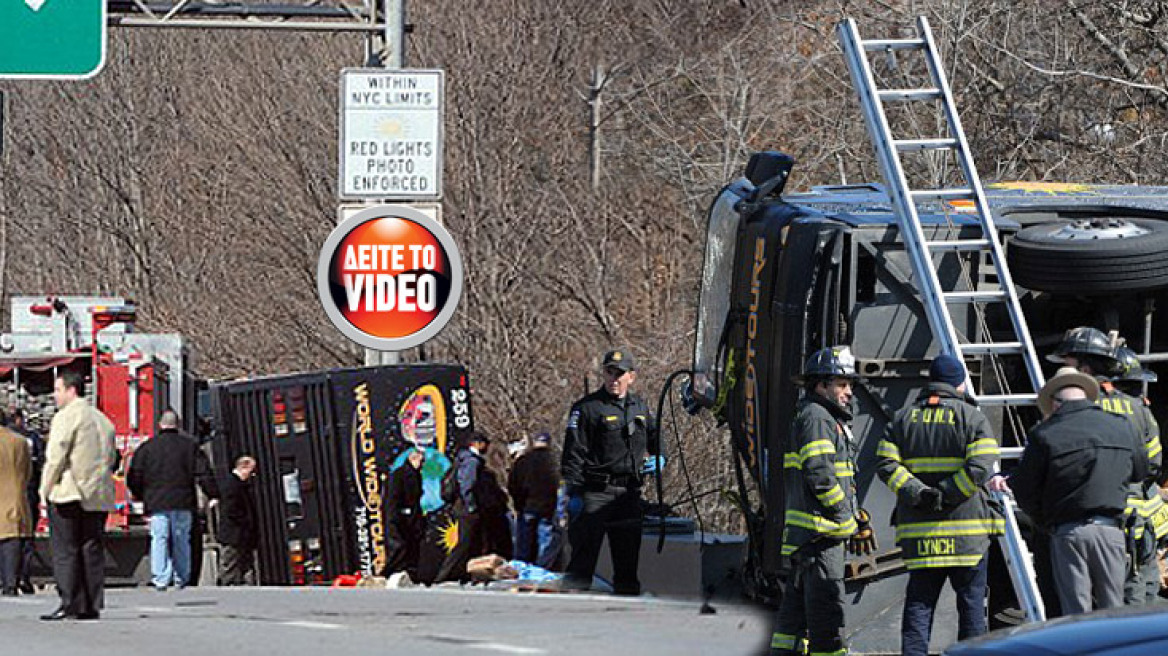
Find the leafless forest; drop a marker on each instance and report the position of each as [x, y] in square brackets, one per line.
[197, 173]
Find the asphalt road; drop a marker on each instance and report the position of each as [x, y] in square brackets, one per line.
[336, 622]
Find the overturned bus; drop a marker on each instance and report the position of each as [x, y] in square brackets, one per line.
[787, 274]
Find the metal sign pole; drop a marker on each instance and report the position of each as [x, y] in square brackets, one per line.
[393, 56]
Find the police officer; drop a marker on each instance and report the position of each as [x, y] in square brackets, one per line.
[820, 517]
[935, 456]
[609, 432]
[1094, 353]
[1073, 480]
[1153, 512]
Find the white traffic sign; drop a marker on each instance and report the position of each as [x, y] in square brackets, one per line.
[431, 210]
[391, 133]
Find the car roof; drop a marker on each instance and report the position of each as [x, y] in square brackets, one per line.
[1120, 631]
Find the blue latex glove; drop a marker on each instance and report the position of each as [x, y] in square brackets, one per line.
[575, 506]
[653, 464]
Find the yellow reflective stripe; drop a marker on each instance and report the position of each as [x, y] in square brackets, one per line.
[844, 470]
[1159, 520]
[833, 496]
[816, 448]
[951, 528]
[986, 446]
[821, 524]
[886, 449]
[965, 483]
[783, 641]
[898, 478]
[934, 465]
[1153, 447]
[1147, 507]
[788, 549]
[791, 461]
[943, 561]
[838, 652]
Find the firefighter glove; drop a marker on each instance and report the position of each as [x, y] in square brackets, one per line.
[930, 498]
[863, 542]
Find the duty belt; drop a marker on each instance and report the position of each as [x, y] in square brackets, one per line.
[1098, 520]
[598, 482]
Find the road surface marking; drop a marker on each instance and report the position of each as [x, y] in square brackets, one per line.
[507, 649]
[312, 625]
[152, 609]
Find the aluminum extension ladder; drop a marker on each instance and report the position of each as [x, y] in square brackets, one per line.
[936, 299]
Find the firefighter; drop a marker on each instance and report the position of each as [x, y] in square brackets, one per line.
[935, 456]
[1153, 511]
[1094, 353]
[821, 516]
[609, 432]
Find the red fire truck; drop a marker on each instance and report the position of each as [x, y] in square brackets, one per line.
[131, 378]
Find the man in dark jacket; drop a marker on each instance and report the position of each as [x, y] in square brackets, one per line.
[936, 455]
[609, 433]
[237, 524]
[533, 485]
[468, 507]
[163, 475]
[404, 510]
[1097, 354]
[1073, 480]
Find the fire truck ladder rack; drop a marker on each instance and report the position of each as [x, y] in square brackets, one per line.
[936, 298]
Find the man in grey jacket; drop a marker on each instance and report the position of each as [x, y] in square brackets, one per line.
[78, 486]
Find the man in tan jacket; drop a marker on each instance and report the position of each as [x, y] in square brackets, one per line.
[78, 486]
[15, 521]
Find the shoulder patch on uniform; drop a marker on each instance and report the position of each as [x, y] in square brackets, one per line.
[574, 419]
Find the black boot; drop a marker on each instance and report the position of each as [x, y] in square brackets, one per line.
[58, 615]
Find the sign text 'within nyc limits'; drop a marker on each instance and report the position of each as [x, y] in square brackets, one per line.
[391, 134]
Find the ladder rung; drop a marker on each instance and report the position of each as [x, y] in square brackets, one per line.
[894, 44]
[990, 348]
[958, 245]
[974, 297]
[958, 193]
[924, 144]
[908, 94]
[1008, 399]
[1011, 452]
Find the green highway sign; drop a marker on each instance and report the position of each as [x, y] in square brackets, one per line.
[60, 39]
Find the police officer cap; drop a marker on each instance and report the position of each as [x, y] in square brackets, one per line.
[1066, 377]
[619, 359]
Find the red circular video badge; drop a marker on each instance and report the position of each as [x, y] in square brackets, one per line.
[389, 277]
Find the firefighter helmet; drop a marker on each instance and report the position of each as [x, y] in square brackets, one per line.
[833, 362]
[1130, 369]
[1084, 341]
